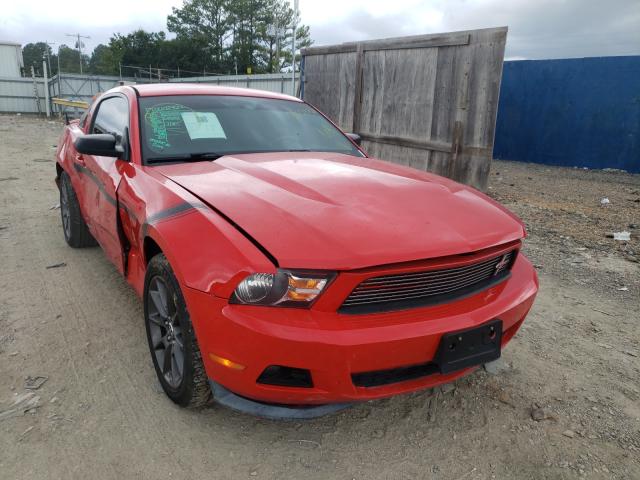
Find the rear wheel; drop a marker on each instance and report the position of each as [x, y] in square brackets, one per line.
[172, 342]
[76, 232]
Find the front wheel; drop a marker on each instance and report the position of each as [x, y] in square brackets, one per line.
[172, 342]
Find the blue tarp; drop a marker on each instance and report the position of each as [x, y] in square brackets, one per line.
[582, 112]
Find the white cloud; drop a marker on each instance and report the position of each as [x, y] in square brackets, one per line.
[537, 29]
[27, 21]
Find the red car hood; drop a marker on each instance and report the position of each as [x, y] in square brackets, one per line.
[338, 212]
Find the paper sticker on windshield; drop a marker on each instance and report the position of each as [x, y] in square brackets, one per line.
[202, 125]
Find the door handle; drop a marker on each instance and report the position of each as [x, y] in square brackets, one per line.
[80, 158]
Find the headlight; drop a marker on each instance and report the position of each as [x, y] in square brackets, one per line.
[284, 288]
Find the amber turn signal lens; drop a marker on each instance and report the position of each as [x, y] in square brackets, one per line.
[225, 362]
[304, 289]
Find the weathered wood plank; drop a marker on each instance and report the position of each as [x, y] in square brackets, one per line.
[330, 86]
[456, 148]
[372, 95]
[357, 96]
[487, 55]
[443, 107]
[394, 43]
[398, 93]
[412, 157]
[443, 41]
[408, 142]
[326, 50]
[428, 101]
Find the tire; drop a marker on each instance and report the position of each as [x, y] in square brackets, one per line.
[169, 329]
[76, 232]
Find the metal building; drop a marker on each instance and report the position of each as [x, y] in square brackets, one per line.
[10, 59]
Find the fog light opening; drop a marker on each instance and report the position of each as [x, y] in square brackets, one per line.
[282, 376]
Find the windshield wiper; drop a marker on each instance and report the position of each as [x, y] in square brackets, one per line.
[188, 157]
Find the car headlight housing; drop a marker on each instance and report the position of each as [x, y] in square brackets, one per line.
[283, 288]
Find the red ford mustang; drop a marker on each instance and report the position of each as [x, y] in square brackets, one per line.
[284, 272]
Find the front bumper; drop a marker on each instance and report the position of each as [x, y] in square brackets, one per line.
[334, 346]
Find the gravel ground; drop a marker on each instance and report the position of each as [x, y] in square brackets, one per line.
[563, 403]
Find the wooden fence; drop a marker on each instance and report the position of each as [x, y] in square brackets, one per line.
[427, 101]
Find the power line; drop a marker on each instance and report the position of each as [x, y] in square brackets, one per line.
[79, 45]
[145, 70]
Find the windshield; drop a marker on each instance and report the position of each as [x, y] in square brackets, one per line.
[183, 125]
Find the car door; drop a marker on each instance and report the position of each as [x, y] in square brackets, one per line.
[112, 116]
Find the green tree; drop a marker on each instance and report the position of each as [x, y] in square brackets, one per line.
[138, 49]
[70, 59]
[104, 61]
[303, 40]
[32, 55]
[245, 28]
[211, 35]
[187, 57]
[206, 25]
[281, 17]
[236, 33]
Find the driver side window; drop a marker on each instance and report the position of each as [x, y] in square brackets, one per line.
[112, 117]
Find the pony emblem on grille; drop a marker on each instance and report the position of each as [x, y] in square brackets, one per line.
[502, 264]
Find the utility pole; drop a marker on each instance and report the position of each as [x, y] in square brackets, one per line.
[276, 32]
[45, 84]
[293, 48]
[59, 81]
[48, 57]
[58, 57]
[79, 45]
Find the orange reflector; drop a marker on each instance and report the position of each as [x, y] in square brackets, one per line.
[225, 362]
[304, 289]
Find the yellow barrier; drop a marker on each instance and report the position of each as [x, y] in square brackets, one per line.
[70, 103]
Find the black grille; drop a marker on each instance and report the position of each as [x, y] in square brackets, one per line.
[408, 290]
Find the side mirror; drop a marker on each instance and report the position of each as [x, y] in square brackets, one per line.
[357, 139]
[101, 144]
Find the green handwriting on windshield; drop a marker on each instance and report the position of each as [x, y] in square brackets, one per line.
[164, 121]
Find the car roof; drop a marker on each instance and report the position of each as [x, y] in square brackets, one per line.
[163, 89]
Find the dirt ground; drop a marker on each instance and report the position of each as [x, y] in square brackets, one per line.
[564, 404]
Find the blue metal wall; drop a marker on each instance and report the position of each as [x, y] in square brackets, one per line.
[581, 112]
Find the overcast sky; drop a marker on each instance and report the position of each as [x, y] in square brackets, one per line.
[537, 28]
